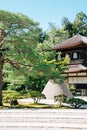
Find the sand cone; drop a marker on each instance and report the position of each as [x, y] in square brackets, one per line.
[52, 89]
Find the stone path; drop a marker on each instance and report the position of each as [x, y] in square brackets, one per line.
[43, 119]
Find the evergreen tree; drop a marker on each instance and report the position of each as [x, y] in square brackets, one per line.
[78, 26]
[18, 40]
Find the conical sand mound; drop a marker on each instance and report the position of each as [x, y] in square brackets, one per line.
[52, 89]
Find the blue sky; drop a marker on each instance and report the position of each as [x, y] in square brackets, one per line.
[46, 11]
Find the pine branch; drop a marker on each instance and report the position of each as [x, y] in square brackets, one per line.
[15, 64]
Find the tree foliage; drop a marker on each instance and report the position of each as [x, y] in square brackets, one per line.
[37, 96]
[19, 54]
[76, 102]
[18, 40]
[60, 99]
[78, 26]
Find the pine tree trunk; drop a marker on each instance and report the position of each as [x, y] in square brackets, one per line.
[1, 77]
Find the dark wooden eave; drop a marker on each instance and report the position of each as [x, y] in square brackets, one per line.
[74, 41]
[76, 68]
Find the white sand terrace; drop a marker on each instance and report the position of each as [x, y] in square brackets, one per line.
[48, 101]
[43, 119]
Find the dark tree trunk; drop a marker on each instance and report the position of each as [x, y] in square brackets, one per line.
[1, 77]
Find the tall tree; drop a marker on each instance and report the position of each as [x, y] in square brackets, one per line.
[68, 26]
[18, 38]
[78, 26]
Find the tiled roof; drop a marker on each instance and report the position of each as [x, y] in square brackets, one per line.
[76, 68]
[71, 42]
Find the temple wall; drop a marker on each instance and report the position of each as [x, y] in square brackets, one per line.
[77, 80]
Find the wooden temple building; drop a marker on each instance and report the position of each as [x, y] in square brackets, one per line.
[76, 49]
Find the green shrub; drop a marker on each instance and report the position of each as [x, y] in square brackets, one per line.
[26, 94]
[76, 102]
[37, 96]
[10, 96]
[60, 99]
